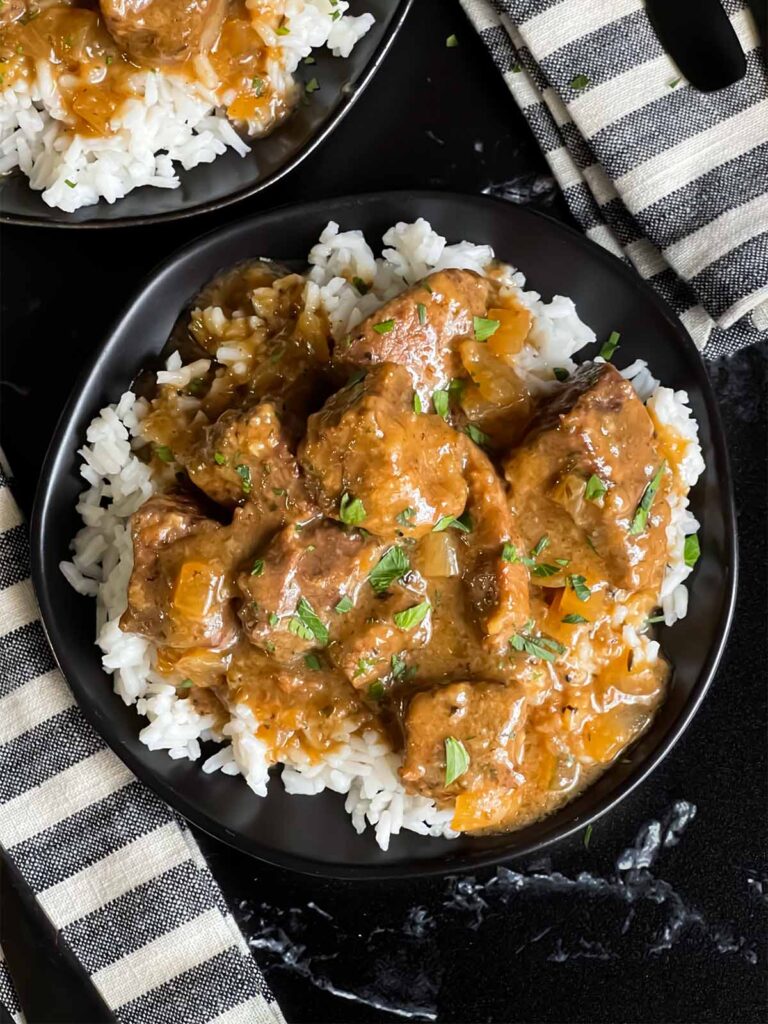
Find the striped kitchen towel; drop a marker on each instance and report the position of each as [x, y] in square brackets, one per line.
[116, 871]
[671, 179]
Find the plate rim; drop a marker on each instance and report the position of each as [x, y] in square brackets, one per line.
[438, 865]
[346, 102]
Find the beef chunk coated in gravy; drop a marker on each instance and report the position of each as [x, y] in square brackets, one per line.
[291, 591]
[593, 438]
[245, 455]
[420, 328]
[372, 462]
[482, 717]
[163, 31]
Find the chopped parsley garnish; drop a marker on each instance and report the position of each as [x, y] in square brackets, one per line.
[244, 473]
[655, 618]
[393, 565]
[595, 489]
[219, 459]
[376, 690]
[440, 402]
[456, 387]
[397, 665]
[361, 285]
[164, 453]
[351, 510]
[675, 82]
[416, 404]
[573, 619]
[363, 665]
[411, 617]
[345, 605]
[283, 30]
[509, 553]
[258, 567]
[185, 684]
[421, 310]
[456, 759]
[691, 550]
[426, 286]
[70, 184]
[587, 836]
[404, 517]
[306, 624]
[640, 518]
[451, 42]
[257, 84]
[560, 373]
[309, 60]
[578, 585]
[544, 569]
[546, 648]
[476, 434]
[579, 82]
[312, 86]
[384, 326]
[313, 662]
[610, 346]
[462, 523]
[273, 619]
[484, 328]
[541, 543]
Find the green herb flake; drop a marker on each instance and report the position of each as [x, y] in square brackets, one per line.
[283, 30]
[244, 473]
[691, 550]
[456, 759]
[362, 286]
[185, 684]
[309, 60]
[543, 647]
[509, 553]
[544, 569]
[462, 523]
[451, 42]
[163, 452]
[541, 544]
[397, 665]
[560, 373]
[476, 434]
[313, 662]
[578, 585]
[573, 619]
[393, 565]
[258, 567]
[351, 510]
[384, 326]
[312, 86]
[674, 83]
[70, 184]
[610, 346]
[219, 459]
[411, 617]
[257, 84]
[640, 518]
[376, 690]
[595, 489]
[579, 82]
[363, 666]
[484, 328]
[440, 402]
[417, 408]
[345, 605]
[404, 517]
[307, 625]
[421, 311]
[426, 286]
[273, 619]
[587, 836]
[651, 620]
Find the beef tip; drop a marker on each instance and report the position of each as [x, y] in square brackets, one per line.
[427, 322]
[366, 446]
[12, 11]
[178, 593]
[484, 717]
[302, 573]
[245, 454]
[595, 426]
[366, 654]
[498, 588]
[163, 31]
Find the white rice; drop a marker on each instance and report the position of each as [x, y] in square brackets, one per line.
[363, 767]
[170, 121]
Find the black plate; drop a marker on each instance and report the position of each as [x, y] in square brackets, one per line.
[313, 834]
[231, 177]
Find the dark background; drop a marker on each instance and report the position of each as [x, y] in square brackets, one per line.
[570, 938]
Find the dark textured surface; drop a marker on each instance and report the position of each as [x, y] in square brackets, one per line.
[570, 939]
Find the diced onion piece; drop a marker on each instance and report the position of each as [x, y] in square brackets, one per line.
[195, 590]
[485, 808]
[438, 554]
[514, 325]
[606, 735]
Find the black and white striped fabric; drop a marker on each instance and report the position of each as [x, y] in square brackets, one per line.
[671, 179]
[116, 871]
